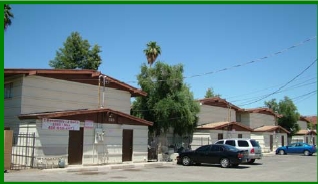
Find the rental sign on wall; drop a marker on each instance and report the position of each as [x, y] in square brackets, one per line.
[60, 124]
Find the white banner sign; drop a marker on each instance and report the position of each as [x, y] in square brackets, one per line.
[89, 124]
[60, 124]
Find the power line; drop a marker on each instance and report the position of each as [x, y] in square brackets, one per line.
[242, 64]
[275, 92]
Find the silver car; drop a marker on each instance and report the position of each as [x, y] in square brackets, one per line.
[252, 146]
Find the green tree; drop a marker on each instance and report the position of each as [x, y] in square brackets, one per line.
[77, 54]
[289, 113]
[8, 15]
[169, 102]
[152, 51]
[210, 93]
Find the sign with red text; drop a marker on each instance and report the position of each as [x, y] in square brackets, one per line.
[60, 124]
[89, 124]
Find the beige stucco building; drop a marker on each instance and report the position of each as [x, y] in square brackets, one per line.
[81, 108]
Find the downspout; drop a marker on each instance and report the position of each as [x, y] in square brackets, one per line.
[104, 82]
[99, 89]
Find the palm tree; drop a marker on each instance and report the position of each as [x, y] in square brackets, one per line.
[152, 52]
[7, 16]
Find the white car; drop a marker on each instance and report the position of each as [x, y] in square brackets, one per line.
[252, 146]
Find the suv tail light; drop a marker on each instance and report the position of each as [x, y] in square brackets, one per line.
[252, 150]
[240, 155]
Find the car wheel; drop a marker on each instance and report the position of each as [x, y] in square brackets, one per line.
[281, 152]
[186, 161]
[306, 153]
[251, 161]
[235, 165]
[225, 162]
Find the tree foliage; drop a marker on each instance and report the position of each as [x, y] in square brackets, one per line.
[289, 113]
[169, 102]
[210, 93]
[77, 54]
[152, 51]
[8, 15]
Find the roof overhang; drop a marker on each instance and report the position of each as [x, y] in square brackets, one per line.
[271, 129]
[218, 102]
[306, 132]
[82, 76]
[224, 126]
[267, 111]
[100, 114]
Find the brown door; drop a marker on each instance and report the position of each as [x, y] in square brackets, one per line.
[283, 143]
[127, 145]
[271, 142]
[75, 146]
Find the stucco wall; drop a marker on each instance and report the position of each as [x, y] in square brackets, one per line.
[211, 114]
[41, 94]
[12, 106]
[54, 143]
[255, 120]
[302, 124]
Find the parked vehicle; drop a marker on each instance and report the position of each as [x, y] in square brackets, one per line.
[252, 146]
[225, 155]
[297, 148]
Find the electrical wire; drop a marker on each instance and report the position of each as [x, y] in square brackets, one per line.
[275, 92]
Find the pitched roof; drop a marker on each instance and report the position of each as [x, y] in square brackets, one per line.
[75, 75]
[270, 128]
[82, 112]
[306, 132]
[263, 110]
[304, 118]
[312, 119]
[218, 125]
[219, 102]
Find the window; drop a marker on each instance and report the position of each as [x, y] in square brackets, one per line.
[220, 136]
[242, 143]
[219, 142]
[217, 148]
[239, 136]
[254, 143]
[8, 90]
[204, 148]
[230, 142]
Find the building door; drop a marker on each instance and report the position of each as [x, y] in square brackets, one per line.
[283, 143]
[271, 142]
[75, 146]
[127, 145]
[306, 139]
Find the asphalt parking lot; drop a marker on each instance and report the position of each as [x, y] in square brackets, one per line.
[270, 168]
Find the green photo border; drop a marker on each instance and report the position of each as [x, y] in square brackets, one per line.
[143, 2]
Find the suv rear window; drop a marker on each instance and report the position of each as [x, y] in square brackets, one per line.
[254, 143]
[242, 143]
[219, 142]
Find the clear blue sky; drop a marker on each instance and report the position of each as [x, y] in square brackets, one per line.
[204, 38]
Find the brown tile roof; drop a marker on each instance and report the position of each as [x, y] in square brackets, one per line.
[263, 110]
[270, 128]
[82, 76]
[82, 112]
[219, 102]
[304, 118]
[219, 125]
[306, 132]
[312, 119]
